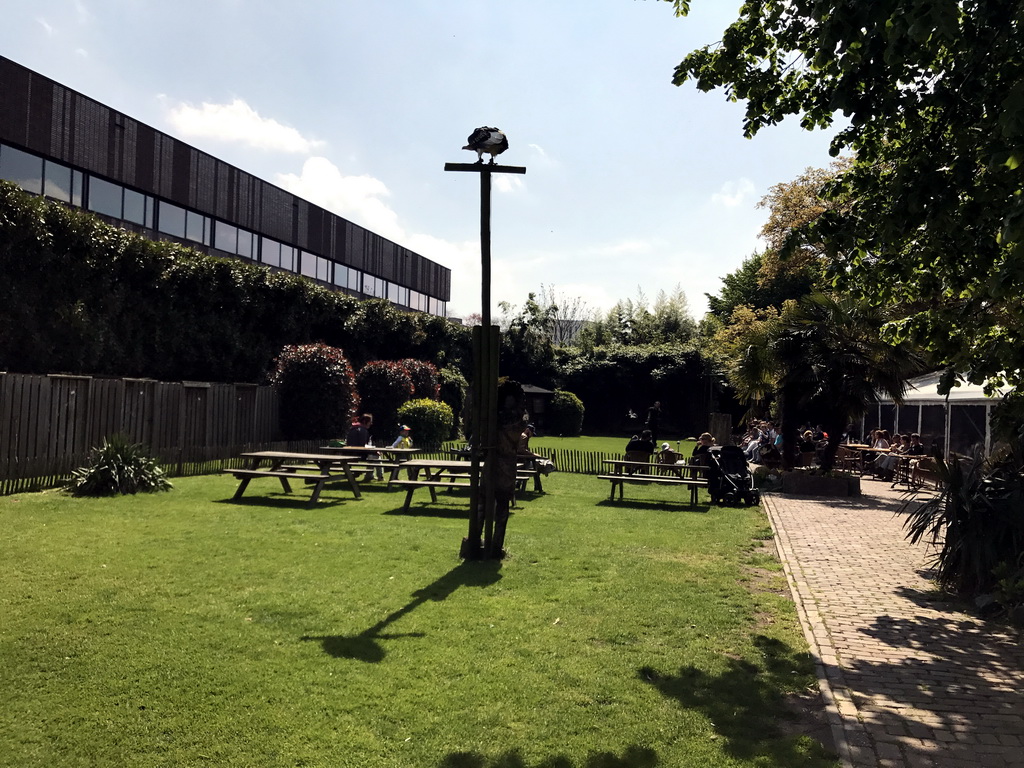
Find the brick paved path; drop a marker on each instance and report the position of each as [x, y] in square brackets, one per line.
[909, 680]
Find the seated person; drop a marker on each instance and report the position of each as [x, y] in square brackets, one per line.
[807, 442]
[885, 465]
[359, 433]
[916, 447]
[702, 451]
[542, 464]
[642, 444]
[404, 439]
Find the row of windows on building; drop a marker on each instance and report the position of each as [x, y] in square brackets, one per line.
[58, 182]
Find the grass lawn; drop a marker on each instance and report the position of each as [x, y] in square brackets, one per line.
[183, 629]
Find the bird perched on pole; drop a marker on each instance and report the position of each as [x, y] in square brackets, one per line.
[489, 140]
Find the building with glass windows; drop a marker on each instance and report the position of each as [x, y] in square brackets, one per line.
[61, 144]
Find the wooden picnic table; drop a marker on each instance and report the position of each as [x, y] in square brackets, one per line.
[650, 473]
[315, 468]
[368, 457]
[441, 473]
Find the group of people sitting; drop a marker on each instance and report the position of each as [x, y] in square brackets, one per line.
[359, 434]
[885, 464]
[761, 437]
[359, 437]
[643, 444]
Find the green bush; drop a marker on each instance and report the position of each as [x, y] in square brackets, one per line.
[565, 415]
[453, 392]
[425, 382]
[430, 420]
[384, 386]
[81, 296]
[317, 391]
[118, 467]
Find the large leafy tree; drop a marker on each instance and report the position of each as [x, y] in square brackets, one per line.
[933, 96]
[822, 354]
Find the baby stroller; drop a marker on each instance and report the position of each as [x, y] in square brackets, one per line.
[729, 479]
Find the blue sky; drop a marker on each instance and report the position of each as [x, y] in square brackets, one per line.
[632, 184]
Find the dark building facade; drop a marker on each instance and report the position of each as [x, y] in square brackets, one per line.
[61, 144]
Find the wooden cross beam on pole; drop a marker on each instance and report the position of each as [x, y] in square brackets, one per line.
[484, 412]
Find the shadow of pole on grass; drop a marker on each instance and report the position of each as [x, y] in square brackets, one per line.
[747, 702]
[632, 757]
[364, 646]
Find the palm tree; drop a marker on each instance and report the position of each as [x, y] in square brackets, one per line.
[823, 352]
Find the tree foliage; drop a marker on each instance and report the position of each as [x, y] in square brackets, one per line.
[81, 296]
[565, 414]
[424, 377]
[384, 386]
[317, 391]
[933, 95]
[822, 355]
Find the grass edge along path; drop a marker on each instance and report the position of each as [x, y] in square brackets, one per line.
[183, 629]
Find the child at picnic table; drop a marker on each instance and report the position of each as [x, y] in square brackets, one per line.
[404, 439]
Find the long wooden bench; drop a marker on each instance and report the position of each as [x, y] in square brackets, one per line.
[619, 480]
[284, 475]
[411, 485]
[389, 468]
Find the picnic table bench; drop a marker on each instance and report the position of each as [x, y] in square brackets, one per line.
[441, 473]
[373, 459]
[315, 468]
[649, 473]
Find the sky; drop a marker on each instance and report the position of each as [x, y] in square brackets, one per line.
[633, 185]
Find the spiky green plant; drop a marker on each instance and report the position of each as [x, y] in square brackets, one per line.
[118, 466]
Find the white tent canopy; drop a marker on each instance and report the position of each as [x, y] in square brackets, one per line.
[958, 422]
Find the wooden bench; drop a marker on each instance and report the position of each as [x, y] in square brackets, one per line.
[372, 467]
[284, 475]
[618, 480]
[411, 485]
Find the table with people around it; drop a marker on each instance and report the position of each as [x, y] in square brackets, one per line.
[315, 469]
[374, 460]
[643, 463]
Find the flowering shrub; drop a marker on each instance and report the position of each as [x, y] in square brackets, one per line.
[565, 414]
[425, 382]
[317, 391]
[384, 386]
[430, 420]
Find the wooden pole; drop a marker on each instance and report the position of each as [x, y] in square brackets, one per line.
[484, 413]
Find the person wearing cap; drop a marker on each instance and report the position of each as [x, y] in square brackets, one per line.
[404, 439]
[524, 443]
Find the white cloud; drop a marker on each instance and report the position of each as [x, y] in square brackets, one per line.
[238, 122]
[357, 198]
[45, 25]
[733, 193]
[621, 248]
[506, 183]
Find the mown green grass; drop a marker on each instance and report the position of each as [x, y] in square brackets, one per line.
[184, 629]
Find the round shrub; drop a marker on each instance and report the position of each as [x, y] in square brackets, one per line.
[317, 391]
[384, 386]
[425, 382]
[565, 414]
[430, 420]
[118, 466]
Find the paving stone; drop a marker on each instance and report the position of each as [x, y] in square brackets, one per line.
[923, 676]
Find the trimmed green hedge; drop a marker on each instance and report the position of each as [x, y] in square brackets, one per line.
[430, 421]
[81, 296]
[565, 415]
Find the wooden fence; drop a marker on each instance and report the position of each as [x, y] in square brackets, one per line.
[48, 424]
